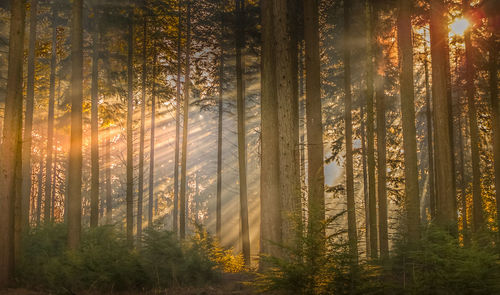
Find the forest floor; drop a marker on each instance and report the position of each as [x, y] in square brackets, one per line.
[231, 283]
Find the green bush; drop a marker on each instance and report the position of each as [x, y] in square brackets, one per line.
[440, 265]
[104, 262]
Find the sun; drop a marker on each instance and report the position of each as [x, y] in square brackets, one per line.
[459, 25]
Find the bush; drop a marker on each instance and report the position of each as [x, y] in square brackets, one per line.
[440, 265]
[104, 262]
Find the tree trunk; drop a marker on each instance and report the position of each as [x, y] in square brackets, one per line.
[140, 184]
[270, 202]
[445, 195]
[39, 194]
[463, 184]
[177, 125]
[495, 109]
[152, 140]
[109, 197]
[381, 142]
[130, 114]
[218, 223]
[370, 130]
[286, 92]
[28, 121]
[187, 84]
[430, 137]
[75, 155]
[10, 144]
[349, 170]
[94, 129]
[242, 155]
[408, 117]
[477, 203]
[365, 183]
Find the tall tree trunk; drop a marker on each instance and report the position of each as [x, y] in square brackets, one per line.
[463, 184]
[109, 196]
[430, 136]
[349, 170]
[408, 118]
[10, 145]
[370, 130]
[177, 124]
[218, 223]
[381, 141]
[187, 85]
[242, 154]
[94, 129]
[152, 140]
[75, 154]
[477, 203]
[365, 183]
[53, 192]
[495, 108]
[130, 115]
[286, 92]
[445, 195]
[39, 194]
[270, 202]
[140, 184]
[28, 121]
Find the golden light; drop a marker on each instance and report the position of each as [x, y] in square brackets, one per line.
[459, 26]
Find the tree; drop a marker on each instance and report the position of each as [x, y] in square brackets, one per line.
[130, 114]
[270, 230]
[218, 223]
[140, 183]
[28, 123]
[75, 154]
[408, 115]
[445, 194]
[240, 102]
[349, 170]
[381, 137]
[477, 204]
[177, 123]
[370, 131]
[286, 93]
[94, 128]
[182, 215]
[11, 147]
[152, 139]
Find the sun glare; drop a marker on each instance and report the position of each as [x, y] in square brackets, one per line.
[459, 26]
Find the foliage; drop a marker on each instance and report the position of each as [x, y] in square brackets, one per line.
[439, 265]
[104, 262]
[308, 269]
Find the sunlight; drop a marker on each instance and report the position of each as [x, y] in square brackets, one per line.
[459, 25]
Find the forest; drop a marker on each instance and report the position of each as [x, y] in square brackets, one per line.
[249, 147]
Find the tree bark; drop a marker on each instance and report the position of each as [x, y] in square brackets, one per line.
[463, 184]
[349, 170]
[140, 184]
[270, 229]
[177, 125]
[365, 183]
[495, 108]
[28, 121]
[152, 141]
[218, 223]
[430, 135]
[187, 85]
[242, 155]
[75, 154]
[130, 114]
[445, 195]
[381, 141]
[408, 117]
[477, 203]
[94, 129]
[109, 196]
[370, 130]
[286, 92]
[10, 145]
